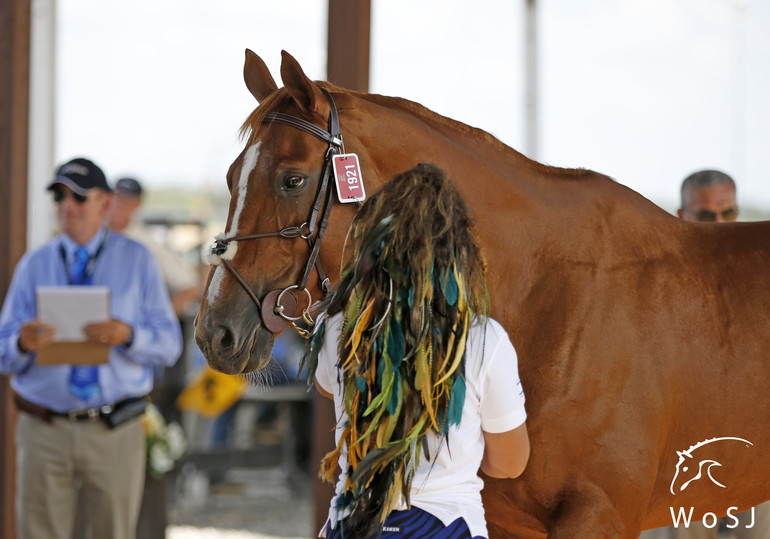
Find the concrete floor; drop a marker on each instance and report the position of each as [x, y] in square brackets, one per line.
[244, 504]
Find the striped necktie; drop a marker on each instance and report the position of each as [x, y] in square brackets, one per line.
[84, 380]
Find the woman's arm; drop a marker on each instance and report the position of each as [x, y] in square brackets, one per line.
[506, 453]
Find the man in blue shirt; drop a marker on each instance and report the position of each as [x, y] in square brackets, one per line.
[79, 426]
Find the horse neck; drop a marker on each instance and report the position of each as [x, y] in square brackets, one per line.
[536, 223]
[506, 191]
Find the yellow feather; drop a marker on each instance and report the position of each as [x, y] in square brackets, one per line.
[458, 352]
[332, 458]
[461, 303]
[450, 343]
[423, 372]
[393, 492]
[361, 325]
[381, 431]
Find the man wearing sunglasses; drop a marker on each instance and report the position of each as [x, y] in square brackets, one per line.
[79, 428]
[708, 196]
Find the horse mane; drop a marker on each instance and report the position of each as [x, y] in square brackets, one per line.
[476, 133]
[281, 96]
[249, 127]
[420, 110]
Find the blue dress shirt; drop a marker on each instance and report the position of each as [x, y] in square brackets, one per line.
[138, 297]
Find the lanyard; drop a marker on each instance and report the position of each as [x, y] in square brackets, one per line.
[90, 266]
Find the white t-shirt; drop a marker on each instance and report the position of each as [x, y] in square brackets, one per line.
[448, 486]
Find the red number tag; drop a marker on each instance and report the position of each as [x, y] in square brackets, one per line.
[347, 176]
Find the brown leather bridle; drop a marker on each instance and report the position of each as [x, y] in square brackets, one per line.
[279, 312]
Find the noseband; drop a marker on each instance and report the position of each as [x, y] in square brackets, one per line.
[278, 308]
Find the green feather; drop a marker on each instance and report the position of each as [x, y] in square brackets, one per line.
[449, 287]
[310, 358]
[395, 395]
[395, 340]
[457, 401]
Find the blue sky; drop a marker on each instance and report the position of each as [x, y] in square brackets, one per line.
[645, 91]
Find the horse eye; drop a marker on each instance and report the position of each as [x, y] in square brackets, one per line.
[293, 182]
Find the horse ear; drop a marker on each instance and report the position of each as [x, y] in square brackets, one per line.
[301, 89]
[258, 79]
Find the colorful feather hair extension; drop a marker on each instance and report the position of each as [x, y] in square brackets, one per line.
[408, 293]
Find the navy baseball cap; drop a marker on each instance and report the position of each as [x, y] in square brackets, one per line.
[81, 175]
[129, 186]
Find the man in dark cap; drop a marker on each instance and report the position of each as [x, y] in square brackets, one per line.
[129, 186]
[79, 424]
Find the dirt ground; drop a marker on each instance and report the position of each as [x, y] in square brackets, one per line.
[244, 504]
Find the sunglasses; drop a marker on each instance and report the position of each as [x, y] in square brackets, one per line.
[59, 195]
[708, 216]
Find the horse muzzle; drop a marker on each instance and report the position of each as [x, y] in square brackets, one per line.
[236, 344]
[233, 345]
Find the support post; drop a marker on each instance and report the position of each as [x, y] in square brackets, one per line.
[347, 66]
[14, 118]
[348, 44]
[531, 82]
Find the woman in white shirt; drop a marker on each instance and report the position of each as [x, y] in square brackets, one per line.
[425, 384]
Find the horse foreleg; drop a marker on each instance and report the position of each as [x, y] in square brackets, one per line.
[588, 512]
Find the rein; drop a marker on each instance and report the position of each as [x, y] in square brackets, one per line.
[277, 316]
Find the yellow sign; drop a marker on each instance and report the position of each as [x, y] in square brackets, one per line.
[210, 393]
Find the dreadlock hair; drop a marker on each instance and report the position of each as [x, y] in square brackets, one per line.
[408, 292]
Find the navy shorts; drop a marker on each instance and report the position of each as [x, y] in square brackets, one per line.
[412, 524]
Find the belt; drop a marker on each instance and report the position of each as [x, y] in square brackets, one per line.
[83, 414]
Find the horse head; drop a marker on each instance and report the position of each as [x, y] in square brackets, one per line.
[261, 280]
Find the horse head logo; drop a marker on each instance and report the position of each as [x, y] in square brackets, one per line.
[689, 467]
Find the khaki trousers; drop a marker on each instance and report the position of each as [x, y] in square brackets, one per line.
[55, 460]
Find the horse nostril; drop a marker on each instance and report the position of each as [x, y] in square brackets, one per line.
[225, 338]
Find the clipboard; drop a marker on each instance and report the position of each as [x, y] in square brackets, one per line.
[69, 309]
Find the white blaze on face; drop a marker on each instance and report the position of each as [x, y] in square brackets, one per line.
[216, 282]
[248, 165]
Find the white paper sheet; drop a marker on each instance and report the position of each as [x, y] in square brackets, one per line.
[70, 308]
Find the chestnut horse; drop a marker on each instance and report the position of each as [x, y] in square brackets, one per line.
[639, 335]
